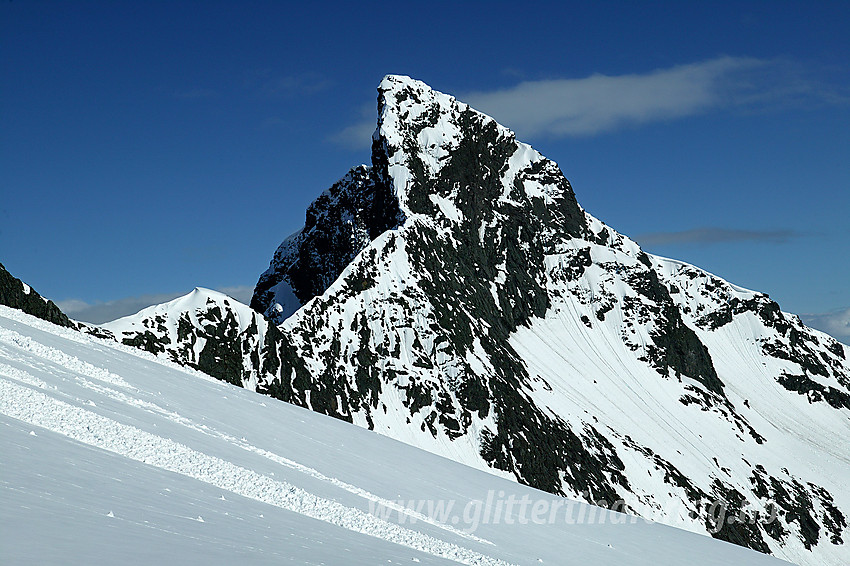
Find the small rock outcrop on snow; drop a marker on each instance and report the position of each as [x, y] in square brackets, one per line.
[18, 295]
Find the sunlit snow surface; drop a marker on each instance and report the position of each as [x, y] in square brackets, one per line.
[111, 456]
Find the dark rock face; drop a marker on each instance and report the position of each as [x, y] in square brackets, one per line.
[340, 223]
[18, 295]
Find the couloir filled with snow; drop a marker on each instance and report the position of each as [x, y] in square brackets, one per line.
[111, 455]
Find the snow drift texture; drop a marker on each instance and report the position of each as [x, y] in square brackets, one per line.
[454, 295]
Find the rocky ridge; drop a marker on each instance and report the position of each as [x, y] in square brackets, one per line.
[18, 295]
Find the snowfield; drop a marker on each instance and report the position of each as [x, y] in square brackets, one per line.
[111, 455]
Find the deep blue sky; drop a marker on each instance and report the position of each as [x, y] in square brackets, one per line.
[147, 148]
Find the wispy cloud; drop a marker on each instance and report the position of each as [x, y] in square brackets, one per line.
[355, 136]
[603, 103]
[98, 313]
[359, 135]
[241, 293]
[72, 305]
[715, 236]
[104, 312]
[600, 103]
[266, 84]
[195, 93]
[835, 323]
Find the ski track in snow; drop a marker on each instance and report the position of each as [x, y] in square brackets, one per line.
[20, 401]
[22, 376]
[76, 365]
[37, 409]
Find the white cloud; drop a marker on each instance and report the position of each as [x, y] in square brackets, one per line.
[715, 236]
[572, 107]
[72, 305]
[98, 313]
[356, 136]
[603, 103]
[241, 293]
[835, 323]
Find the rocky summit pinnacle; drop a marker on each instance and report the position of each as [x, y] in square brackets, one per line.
[454, 295]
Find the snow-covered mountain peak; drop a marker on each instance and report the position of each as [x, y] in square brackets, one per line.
[198, 303]
[426, 138]
[204, 329]
[454, 295]
[438, 163]
[404, 101]
[490, 319]
[418, 123]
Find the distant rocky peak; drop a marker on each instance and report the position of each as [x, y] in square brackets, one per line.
[435, 158]
[460, 167]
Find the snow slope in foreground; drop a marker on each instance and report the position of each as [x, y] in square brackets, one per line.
[110, 455]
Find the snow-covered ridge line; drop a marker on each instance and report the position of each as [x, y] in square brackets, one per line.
[98, 341]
